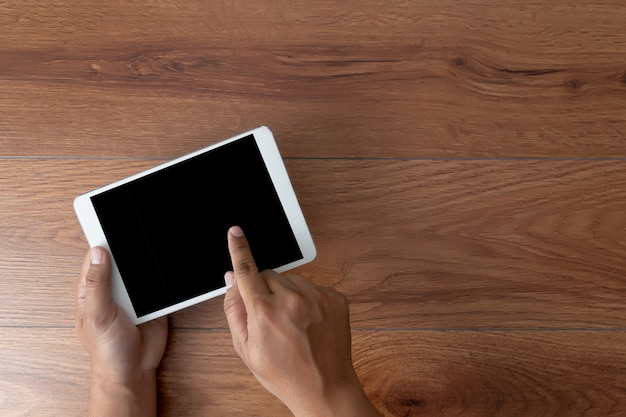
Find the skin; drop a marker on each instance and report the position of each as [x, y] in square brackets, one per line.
[124, 357]
[293, 335]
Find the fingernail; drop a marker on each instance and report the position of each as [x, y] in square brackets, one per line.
[236, 231]
[229, 277]
[96, 256]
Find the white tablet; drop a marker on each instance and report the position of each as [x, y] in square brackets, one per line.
[166, 227]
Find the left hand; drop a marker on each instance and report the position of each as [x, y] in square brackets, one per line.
[120, 351]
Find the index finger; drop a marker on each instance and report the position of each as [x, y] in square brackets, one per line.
[249, 281]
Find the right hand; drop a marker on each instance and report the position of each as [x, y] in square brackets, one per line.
[294, 336]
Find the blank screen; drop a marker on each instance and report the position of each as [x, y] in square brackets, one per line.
[167, 230]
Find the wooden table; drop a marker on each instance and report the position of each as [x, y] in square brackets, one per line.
[462, 166]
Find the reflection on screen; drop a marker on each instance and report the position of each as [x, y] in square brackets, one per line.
[167, 230]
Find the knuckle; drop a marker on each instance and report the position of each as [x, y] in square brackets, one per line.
[91, 280]
[303, 308]
[246, 266]
[95, 279]
[295, 301]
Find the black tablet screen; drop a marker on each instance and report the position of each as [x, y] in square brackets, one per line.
[167, 230]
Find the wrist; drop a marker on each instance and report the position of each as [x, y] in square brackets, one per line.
[132, 394]
[347, 400]
[351, 401]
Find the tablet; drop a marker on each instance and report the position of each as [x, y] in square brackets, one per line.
[166, 227]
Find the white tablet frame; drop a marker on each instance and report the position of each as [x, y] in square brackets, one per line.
[271, 156]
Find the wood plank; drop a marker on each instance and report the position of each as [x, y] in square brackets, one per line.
[451, 79]
[480, 242]
[493, 374]
[425, 373]
[413, 244]
[43, 372]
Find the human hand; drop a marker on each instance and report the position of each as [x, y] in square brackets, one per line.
[294, 336]
[124, 357]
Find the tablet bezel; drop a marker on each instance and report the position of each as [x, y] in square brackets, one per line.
[270, 154]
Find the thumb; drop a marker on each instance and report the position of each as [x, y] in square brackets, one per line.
[97, 282]
[236, 314]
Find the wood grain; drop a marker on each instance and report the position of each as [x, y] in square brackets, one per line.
[419, 79]
[460, 163]
[422, 373]
[413, 244]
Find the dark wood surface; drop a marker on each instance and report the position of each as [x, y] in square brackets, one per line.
[461, 166]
